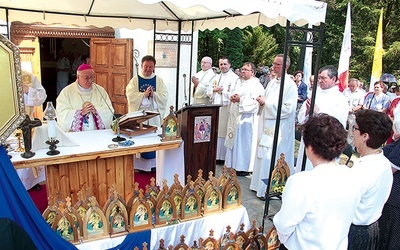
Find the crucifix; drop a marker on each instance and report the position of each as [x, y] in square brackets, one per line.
[26, 128]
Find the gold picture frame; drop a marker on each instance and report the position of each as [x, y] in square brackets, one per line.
[11, 94]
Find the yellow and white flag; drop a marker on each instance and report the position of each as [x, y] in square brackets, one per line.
[377, 64]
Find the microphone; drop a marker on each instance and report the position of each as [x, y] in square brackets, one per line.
[185, 89]
[118, 138]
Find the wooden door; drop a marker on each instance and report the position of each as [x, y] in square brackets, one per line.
[112, 61]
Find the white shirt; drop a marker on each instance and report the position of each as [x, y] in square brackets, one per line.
[375, 177]
[317, 208]
[355, 98]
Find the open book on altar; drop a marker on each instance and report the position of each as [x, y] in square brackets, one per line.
[133, 123]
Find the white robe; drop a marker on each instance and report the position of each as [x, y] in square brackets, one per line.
[266, 132]
[329, 101]
[137, 100]
[228, 82]
[200, 93]
[36, 93]
[241, 139]
[70, 101]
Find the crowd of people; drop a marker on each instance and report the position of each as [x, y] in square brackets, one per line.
[342, 206]
[327, 193]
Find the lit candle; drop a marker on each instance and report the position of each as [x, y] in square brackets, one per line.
[51, 129]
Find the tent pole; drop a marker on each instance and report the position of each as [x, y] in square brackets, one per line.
[289, 41]
[191, 65]
[178, 65]
[277, 123]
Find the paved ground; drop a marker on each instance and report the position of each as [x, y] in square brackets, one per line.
[255, 207]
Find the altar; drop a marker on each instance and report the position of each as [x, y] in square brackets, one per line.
[94, 164]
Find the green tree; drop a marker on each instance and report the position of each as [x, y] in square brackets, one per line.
[234, 47]
[259, 45]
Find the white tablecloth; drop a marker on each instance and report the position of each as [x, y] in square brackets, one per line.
[168, 162]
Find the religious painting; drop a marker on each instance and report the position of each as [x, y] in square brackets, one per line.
[210, 242]
[241, 238]
[202, 129]
[11, 94]
[165, 54]
[191, 206]
[95, 224]
[280, 175]
[272, 239]
[231, 195]
[141, 216]
[49, 215]
[77, 219]
[165, 210]
[65, 227]
[212, 199]
[118, 217]
[170, 126]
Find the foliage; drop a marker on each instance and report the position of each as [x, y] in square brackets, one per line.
[261, 43]
[233, 49]
[259, 46]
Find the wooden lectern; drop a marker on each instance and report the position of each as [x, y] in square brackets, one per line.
[199, 131]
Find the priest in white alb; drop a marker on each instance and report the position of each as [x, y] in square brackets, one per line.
[220, 92]
[241, 138]
[147, 91]
[328, 100]
[266, 130]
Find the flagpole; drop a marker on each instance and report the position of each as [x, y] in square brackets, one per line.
[377, 63]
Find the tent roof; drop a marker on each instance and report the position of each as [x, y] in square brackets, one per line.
[132, 14]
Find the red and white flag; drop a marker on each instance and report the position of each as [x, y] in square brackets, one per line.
[345, 53]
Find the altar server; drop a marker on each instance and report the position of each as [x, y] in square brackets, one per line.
[84, 105]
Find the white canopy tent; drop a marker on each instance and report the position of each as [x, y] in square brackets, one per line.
[192, 14]
[171, 15]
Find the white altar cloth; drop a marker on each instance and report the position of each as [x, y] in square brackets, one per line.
[171, 160]
[192, 230]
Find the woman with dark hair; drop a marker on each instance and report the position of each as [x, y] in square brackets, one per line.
[377, 100]
[389, 223]
[374, 175]
[317, 208]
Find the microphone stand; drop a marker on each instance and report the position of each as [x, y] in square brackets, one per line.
[118, 138]
[185, 89]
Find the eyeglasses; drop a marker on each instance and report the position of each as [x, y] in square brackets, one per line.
[243, 69]
[87, 78]
[354, 128]
[322, 78]
[276, 64]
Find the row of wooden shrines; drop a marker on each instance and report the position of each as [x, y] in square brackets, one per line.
[252, 239]
[145, 209]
